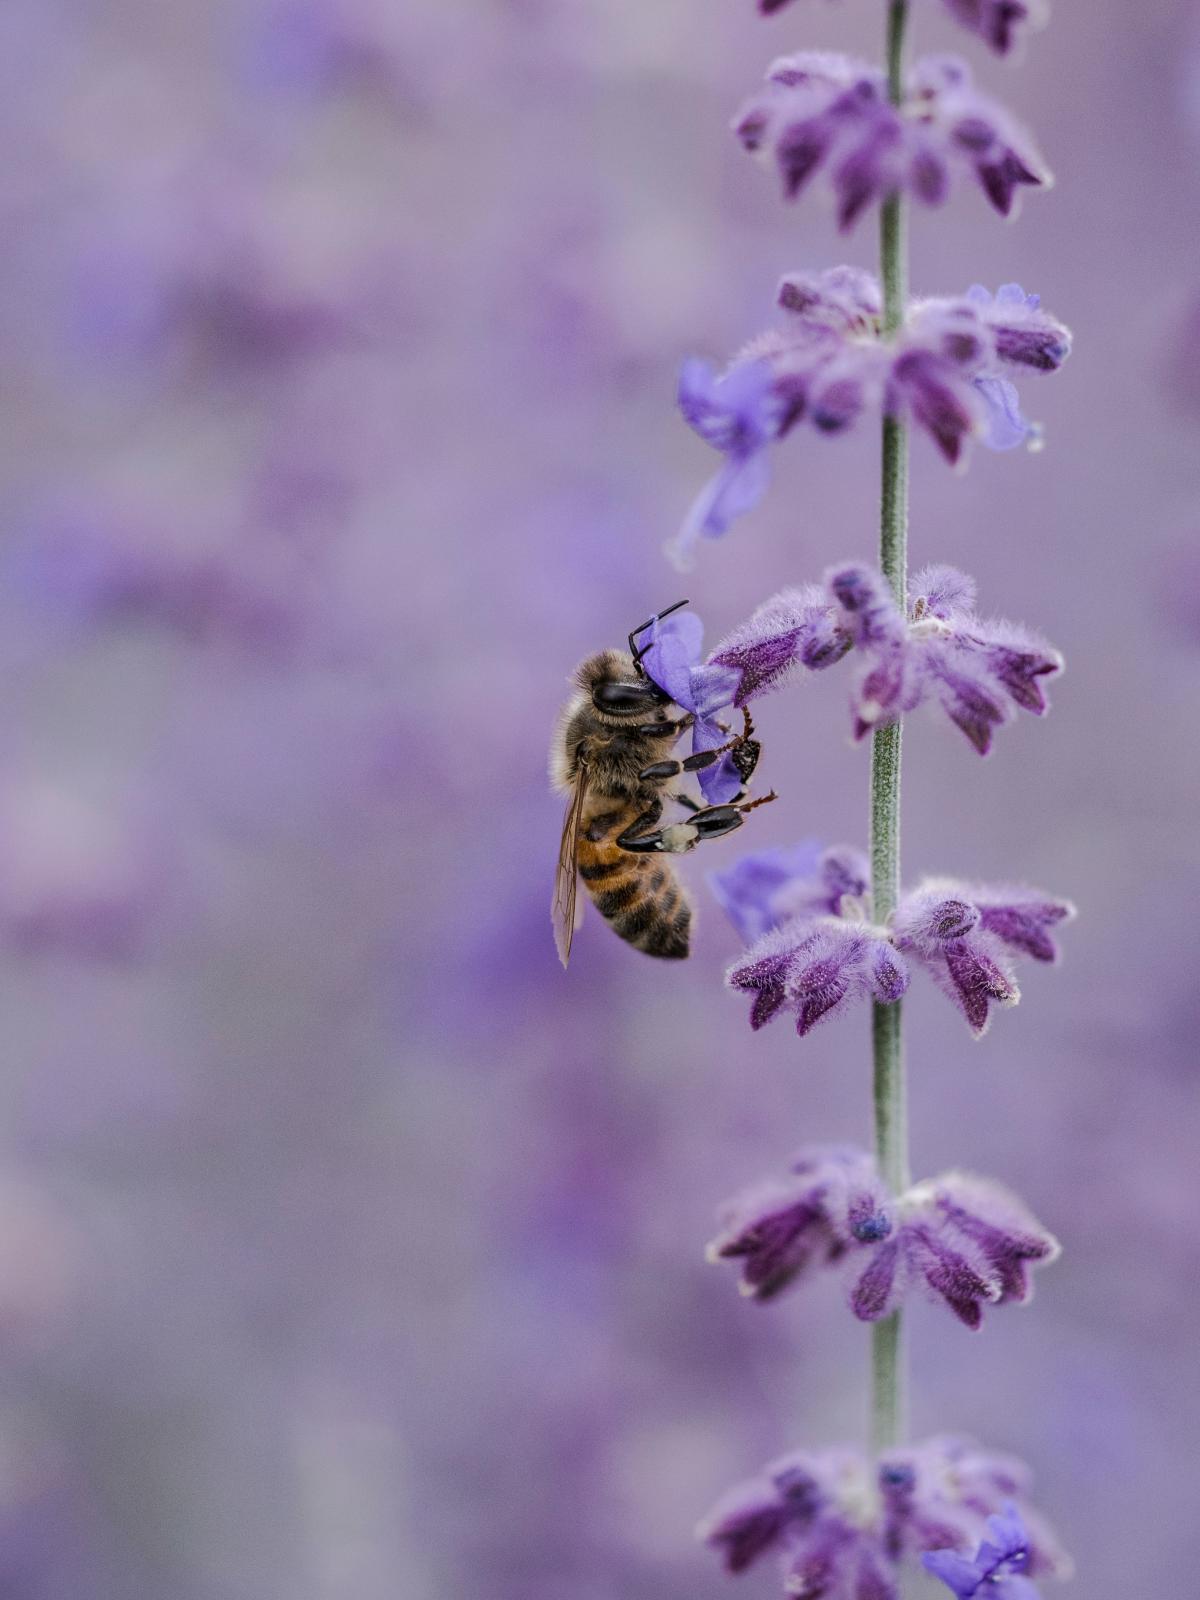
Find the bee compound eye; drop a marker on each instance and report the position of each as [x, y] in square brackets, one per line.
[619, 696]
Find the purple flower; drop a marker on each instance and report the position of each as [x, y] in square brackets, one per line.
[999, 23]
[795, 629]
[961, 1239]
[844, 1528]
[815, 967]
[672, 660]
[999, 1567]
[947, 371]
[746, 891]
[964, 1240]
[979, 672]
[813, 952]
[964, 935]
[823, 111]
[738, 414]
[832, 1200]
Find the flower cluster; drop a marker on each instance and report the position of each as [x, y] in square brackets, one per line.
[948, 370]
[1001, 24]
[844, 1529]
[828, 112]
[958, 1238]
[814, 951]
[979, 672]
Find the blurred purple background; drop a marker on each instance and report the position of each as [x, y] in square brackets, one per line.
[347, 1247]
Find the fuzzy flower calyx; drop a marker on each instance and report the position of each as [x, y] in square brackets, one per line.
[821, 111]
[813, 953]
[843, 1528]
[957, 1238]
[948, 370]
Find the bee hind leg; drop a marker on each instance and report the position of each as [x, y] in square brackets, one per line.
[708, 823]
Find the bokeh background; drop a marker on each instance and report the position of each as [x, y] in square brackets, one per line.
[348, 1248]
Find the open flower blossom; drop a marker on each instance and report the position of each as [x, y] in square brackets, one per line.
[948, 371]
[821, 111]
[813, 961]
[1001, 24]
[844, 1528]
[738, 414]
[979, 672]
[999, 1569]
[957, 1238]
[673, 661]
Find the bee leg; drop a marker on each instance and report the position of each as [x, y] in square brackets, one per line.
[639, 829]
[687, 802]
[708, 823]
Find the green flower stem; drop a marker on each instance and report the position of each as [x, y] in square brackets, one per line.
[891, 1129]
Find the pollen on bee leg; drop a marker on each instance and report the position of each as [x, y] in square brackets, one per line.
[679, 838]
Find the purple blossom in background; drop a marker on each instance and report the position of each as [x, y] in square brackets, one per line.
[672, 660]
[738, 414]
[999, 1567]
[815, 961]
[979, 672]
[1001, 24]
[948, 371]
[961, 1239]
[826, 112]
[844, 1528]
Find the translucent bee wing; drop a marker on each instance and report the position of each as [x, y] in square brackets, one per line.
[566, 879]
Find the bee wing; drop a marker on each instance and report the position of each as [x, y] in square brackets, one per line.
[566, 878]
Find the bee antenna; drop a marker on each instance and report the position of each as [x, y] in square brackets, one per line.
[636, 652]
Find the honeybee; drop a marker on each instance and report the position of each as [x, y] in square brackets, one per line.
[612, 758]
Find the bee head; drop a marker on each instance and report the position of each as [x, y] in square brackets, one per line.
[618, 687]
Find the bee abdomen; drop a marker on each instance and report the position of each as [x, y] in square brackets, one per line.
[643, 901]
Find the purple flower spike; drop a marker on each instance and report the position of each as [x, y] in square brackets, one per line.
[794, 630]
[962, 124]
[673, 661]
[999, 1567]
[962, 934]
[737, 414]
[833, 1202]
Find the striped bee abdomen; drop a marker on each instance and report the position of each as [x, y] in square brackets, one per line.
[639, 896]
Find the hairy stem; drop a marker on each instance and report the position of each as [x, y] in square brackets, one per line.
[891, 1130]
